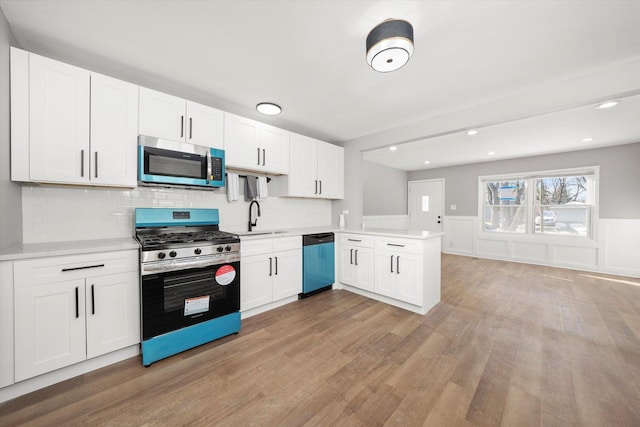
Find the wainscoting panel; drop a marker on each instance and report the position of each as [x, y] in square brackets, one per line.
[616, 251]
[530, 251]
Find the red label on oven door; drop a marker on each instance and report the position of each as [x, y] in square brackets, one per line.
[225, 274]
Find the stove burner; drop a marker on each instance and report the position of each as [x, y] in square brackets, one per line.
[155, 240]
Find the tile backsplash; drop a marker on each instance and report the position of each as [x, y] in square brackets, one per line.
[58, 213]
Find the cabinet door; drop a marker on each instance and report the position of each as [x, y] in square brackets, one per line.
[256, 281]
[162, 115]
[302, 166]
[113, 313]
[274, 144]
[346, 274]
[330, 171]
[59, 122]
[241, 142]
[114, 132]
[385, 273]
[287, 274]
[409, 283]
[205, 125]
[363, 267]
[49, 327]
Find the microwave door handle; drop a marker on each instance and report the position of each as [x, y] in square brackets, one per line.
[208, 165]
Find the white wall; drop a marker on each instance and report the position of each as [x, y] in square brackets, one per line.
[64, 213]
[10, 207]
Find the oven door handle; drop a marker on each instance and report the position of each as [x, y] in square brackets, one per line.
[183, 264]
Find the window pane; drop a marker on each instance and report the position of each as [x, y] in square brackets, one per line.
[562, 190]
[504, 206]
[568, 220]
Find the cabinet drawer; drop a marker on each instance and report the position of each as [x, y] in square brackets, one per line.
[287, 243]
[399, 245]
[255, 247]
[56, 269]
[361, 240]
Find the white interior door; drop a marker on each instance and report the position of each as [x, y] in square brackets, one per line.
[426, 205]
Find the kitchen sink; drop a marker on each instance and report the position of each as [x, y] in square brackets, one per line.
[261, 233]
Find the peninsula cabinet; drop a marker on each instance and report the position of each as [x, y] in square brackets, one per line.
[71, 308]
[316, 170]
[169, 117]
[398, 267]
[254, 146]
[271, 271]
[356, 260]
[69, 125]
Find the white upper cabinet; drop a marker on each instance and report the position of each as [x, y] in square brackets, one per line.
[69, 125]
[169, 117]
[255, 146]
[316, 170]
[58, 121]
[114, 131]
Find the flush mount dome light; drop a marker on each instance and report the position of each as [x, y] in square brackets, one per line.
[390, 45]
[269, 108]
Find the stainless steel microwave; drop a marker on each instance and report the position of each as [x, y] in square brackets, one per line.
[165, 162]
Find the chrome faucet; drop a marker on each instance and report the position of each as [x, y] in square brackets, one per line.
[254, 223]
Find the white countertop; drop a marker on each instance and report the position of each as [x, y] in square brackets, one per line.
[392, 232]
[269, 234]
[37, 250]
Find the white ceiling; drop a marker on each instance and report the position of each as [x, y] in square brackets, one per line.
[544, 61]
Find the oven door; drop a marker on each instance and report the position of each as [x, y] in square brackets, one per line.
[172, 300]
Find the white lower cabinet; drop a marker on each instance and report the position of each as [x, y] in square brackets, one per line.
[399, 275]
[72, 308]
[356, 261]
[271, 271]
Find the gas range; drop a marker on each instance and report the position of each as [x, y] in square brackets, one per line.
[190, 280]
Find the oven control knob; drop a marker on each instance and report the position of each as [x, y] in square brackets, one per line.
[227, 248]
[219, 249]
[198, 251]
[172, 254]
[161, 255]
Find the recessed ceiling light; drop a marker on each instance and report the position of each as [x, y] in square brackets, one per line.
[607, 104]
[426, 162]
[587, 139]
[393, 148]
[491, 153]
[472, 132]
[269, 108]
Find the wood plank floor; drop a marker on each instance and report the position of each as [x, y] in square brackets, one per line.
[510, 344]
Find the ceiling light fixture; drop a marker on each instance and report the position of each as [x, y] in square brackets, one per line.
[587, 139]
[426, 162]
[491, 153]
[607, 104]
[472, 132]
[390, 45]
[269, 108]
[393, 148]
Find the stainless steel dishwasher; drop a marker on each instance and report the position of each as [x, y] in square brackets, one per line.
[318, 263]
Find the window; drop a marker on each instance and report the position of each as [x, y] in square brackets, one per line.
[545, 203]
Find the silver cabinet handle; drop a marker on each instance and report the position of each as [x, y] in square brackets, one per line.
[258, 156]
[82, 163]
[316, 192]
[392, 263]
[96, 164]
[82, 268]
[356, 257]
[354, 240]
[398, 264]
[77, 304]
[320, 187]
[264, 156]
[190, 127]
[276, 265]
[181, 126]
[395, 244]
[350, 256]
[270, 266]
